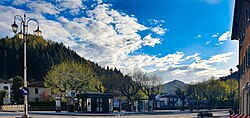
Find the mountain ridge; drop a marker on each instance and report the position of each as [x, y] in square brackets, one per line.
[170, 86]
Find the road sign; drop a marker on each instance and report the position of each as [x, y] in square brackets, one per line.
[24, 91]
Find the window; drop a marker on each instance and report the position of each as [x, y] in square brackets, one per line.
[248, 56]
[99, 104]
[36, 90]
[245, 64]
[246, 59]
[36, 99]
[5, 87]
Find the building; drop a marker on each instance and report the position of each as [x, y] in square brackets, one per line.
[6, 86]
[38, 92]
[167, 101]
[241, 32]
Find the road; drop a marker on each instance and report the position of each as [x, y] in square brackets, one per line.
[220, 114]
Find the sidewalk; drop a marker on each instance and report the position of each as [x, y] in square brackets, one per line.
[123, 113]
[75, 113]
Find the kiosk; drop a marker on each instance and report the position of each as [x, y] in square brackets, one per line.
[95, 102]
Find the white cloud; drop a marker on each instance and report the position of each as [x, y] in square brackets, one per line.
[221, 58]
[208, 42]
[154, 22]
[63, 20]
[199, 36]
[158, 30]
[7, 20]
[43, 7]
[20, 2]
[74, 6]
[225, 36]
[148, 40]
[215, 35]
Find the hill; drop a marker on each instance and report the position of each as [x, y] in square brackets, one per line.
[234, 75]
[41, 55]
[169, 87]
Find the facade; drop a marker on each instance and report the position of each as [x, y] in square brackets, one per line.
[38, 92]
[241, 32]
[6, 86]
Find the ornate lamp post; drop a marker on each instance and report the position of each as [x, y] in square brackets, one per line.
[23, 35]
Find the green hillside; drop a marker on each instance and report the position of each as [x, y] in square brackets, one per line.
[41, 55]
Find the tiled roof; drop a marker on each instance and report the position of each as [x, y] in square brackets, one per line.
[36, 84]
[3, 81]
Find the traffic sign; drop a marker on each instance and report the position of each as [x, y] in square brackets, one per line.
[24, 91]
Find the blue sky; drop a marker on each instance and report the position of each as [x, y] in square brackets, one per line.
[187, 40]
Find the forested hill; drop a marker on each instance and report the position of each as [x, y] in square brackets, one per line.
[41, 55]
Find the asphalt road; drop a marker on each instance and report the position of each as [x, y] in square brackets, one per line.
[219, 114]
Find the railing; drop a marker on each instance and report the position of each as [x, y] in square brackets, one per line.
[11, 108]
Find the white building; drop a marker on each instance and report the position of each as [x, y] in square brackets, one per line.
[167, 101]
[38, 92]
[6, 86]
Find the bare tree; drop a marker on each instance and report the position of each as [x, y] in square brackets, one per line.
[151, 86]
[129, 88]
[182, 92]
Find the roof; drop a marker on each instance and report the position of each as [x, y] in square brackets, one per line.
[169, 96]
[36, 84]
[3, 81]
[94, 95]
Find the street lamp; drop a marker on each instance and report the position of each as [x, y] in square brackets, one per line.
[231, 71]
[23, 35]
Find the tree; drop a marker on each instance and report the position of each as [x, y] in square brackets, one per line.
[232, 91]
[95, 85]
[129, 88]
[68, 76]
[106, 84]
[2, 95]
[151, 86]
[16, 94]
[45, 97]
[210, 90]
[222, 90]
[195, 94]
[182, 92]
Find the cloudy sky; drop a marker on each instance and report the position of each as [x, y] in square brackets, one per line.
[187, 40]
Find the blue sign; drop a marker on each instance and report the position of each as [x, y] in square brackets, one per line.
[24, 91]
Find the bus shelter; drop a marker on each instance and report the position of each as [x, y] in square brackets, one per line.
[95, 102]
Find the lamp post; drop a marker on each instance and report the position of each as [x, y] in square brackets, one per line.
[23, 35]
[231, 71]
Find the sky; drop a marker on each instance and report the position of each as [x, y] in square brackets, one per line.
[188, 40]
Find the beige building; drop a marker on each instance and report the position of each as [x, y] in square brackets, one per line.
[241, 32]
[38, 92]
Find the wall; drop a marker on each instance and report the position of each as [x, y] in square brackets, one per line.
[6, 100]
[33, 95]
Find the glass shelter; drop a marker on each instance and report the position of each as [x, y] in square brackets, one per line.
[95, 102]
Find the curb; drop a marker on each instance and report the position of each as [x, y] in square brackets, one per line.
[75, 114]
